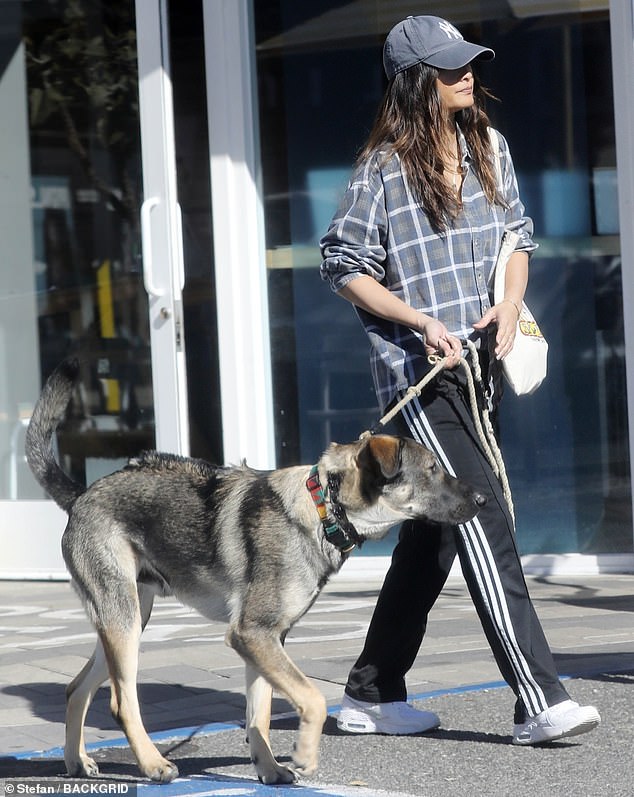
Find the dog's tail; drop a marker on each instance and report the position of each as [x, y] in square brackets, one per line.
[49, 411]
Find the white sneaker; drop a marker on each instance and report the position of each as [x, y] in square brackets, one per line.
[564, 719]
[394, 719]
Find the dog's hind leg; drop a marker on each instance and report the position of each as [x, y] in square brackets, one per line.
[121, 646]
[146, 602]
[265, 653]
[259, 695]
[79, 695]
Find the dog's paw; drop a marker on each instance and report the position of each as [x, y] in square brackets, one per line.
[83, 767]
[304, 761]
[304, 770]
[270, 772]
[277, 775]
[162, 771]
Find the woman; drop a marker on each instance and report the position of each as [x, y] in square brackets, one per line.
[412, 246]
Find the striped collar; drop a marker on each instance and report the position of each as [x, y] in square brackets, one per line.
[338, 530]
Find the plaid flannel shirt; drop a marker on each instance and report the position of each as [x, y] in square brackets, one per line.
[380, 230]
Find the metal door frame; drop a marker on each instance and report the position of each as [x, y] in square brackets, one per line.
[622, 38]
[238, 227]
[163, 267]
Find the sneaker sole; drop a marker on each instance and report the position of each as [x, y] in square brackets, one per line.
[586, 726]
[350, 726]
[583, 727]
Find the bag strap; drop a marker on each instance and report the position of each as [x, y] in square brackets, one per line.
[495, 146]
[509, 237]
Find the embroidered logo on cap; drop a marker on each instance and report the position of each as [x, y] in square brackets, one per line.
[448, 28]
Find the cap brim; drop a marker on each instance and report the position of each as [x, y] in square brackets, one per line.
[459, 54]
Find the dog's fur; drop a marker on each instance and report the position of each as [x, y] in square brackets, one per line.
[232, 542]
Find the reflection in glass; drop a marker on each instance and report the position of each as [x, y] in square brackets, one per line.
[73, 270]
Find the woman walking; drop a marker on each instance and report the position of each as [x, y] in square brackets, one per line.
[412, 246]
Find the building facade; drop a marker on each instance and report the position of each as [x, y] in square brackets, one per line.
[166, 172]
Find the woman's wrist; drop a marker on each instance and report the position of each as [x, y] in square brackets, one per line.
[514, 303]
[421, 322]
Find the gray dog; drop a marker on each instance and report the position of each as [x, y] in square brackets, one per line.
[252, 547]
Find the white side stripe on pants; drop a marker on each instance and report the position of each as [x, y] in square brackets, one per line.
[485, 569]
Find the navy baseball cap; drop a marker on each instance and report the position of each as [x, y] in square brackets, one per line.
[428, 40]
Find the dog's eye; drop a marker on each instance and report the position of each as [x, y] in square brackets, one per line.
[434, 467]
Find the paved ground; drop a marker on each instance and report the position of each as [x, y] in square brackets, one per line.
[192, 694]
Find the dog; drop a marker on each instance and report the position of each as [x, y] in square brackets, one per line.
[253, 547]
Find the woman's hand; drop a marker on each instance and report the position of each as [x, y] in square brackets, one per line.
[505, 315]
[439, 341]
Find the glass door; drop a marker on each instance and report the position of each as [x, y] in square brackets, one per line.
[92, 255]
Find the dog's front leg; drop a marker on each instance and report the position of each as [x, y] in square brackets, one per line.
[259, 696]
[265, 653]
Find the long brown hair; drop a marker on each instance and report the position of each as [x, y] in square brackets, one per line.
[410, 122]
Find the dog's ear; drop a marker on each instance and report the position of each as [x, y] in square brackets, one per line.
[381, 451]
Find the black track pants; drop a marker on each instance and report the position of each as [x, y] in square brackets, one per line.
[441, 420]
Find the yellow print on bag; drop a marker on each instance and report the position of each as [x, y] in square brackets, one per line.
[530, 328]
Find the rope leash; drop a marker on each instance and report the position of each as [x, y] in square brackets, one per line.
[481, 418]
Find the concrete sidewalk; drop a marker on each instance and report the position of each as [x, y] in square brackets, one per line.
[192, 692]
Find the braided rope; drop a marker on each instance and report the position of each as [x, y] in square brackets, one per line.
[481, 418]
[414, 390]
[484, 426]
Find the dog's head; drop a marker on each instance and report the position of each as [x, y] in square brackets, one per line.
[384, 480]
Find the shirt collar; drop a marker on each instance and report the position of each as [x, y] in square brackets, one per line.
[465, 152]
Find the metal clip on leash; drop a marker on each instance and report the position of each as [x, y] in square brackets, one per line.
[481, 418]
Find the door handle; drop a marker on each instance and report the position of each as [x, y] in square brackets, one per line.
[181, 257]
[146, 242]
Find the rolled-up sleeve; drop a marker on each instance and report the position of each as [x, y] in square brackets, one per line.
[516, 219]
[355, 242]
